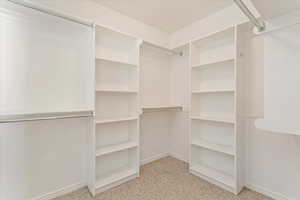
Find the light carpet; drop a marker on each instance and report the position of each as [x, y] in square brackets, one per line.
[165, 179]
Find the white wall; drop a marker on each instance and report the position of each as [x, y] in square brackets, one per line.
[273, 164]
[91, 11]
[155, 91]
[213, 23]
[42, 157]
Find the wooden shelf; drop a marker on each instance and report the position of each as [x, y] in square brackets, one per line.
[214, 119]
[105, 121]
[116, 91]
[115, 176]
[115, 148]
[218, 63]
[214, 174]
[215, 147]
[125, 63]
[213, 91]
[161, 108]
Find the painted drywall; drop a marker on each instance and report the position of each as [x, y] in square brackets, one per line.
[91, 11]
[43, 158]
[221, 20]
[273, 164]
[155, 91]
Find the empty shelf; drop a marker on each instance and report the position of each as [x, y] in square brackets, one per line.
[216, 63]
[214, 119]
[215, 147]
[115, 148]
[105, 121]
[214, 174]
[125, 63]
[212, 91]
[116, 91]
[115, 176]
[162, 108]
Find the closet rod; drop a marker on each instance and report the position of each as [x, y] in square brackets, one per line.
[163, 48]
[260, 25]
[51, 12]
[44, 116]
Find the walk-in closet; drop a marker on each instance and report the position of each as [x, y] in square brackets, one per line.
[149, 100]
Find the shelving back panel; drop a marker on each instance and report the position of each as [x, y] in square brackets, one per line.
[217, 76]
[116, 105]
[115, 46]
[213, 132]
[109, 164]
[214, 48]
[219, 105]
[212, 159]
[116, 133]
[155, 77]
[116, 76]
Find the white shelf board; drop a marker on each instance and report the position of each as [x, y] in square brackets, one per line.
[116, 91]
[215, 147]
[115, 176]
[214, 174]
[215, 63]
[214, 119]
[161, 108]
[213, 91]
[105, 121]
[115, 148]
[113, 60]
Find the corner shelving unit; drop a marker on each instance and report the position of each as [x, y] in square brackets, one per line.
[213, 116]
[115, 140]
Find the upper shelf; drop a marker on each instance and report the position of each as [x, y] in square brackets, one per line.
[218, 63]
[117, 91]
[161, 108]
[203, 91]
[115, 61]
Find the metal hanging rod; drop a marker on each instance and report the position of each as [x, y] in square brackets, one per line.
[43, 116]
[51, 12]
[163, 48]
[260, 25]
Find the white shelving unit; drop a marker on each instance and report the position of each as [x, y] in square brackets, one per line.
[115, 155]
[214, 102]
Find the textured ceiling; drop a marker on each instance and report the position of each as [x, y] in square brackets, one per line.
[167, 15]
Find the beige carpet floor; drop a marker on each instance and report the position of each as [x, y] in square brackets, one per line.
[165, 179]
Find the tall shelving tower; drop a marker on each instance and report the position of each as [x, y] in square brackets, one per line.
[115, 140]
[215, 136]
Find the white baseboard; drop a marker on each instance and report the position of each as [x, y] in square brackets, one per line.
[269, 193]
[60, 192]
[153, 158]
